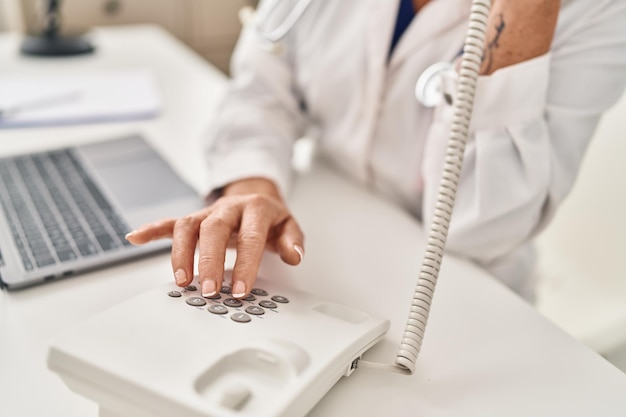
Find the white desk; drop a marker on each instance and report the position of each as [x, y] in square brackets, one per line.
[486, 352]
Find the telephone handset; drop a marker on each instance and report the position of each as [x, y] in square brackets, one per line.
[264, 355]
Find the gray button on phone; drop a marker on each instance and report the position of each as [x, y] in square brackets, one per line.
[240, 317]
[268, 304]
[196, 301]
[257, 311]
[233, 302]
[249, 297]
[225, 289]
[191, 288]
[280, 299]
[218, 309]
[174, 294]
[258, 291]
[215, 296]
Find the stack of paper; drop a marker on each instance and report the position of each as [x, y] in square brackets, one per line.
[58, 100]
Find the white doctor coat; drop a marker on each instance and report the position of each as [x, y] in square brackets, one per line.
[530, 127]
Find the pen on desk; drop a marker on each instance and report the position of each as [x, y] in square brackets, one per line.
[38, 103]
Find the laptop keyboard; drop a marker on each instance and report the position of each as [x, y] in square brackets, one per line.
[55, 211]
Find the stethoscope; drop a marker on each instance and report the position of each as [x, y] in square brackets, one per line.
[428, 88]
[429, 85]
[269, 39]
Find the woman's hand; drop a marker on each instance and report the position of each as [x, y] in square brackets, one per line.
[251, 215]
[518, 31]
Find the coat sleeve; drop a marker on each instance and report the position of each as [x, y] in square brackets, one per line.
[530, 127]
[259, 119]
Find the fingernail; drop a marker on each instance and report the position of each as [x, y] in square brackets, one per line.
[300, 251]
[130, 234]
[208, 288]
[181, 277]
[239, 289]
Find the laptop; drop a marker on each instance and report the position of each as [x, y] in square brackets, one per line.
[66, 211]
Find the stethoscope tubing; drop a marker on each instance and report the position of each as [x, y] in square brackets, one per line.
[286, 25]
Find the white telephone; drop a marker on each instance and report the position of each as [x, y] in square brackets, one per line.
[276, 352]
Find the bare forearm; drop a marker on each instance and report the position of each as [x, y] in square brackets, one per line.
[518, 31]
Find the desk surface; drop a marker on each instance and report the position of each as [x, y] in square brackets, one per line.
[486, 351]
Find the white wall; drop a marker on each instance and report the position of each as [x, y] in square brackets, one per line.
[3, 19]
[10, 15]
[583, 251]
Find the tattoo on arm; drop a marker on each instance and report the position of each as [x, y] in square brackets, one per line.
[494, 44]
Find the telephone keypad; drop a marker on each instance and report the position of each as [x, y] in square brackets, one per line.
[223, 306]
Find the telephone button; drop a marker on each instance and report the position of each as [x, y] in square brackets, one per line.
[259, 292]
[280, 299]
[254, 310]
[215, 296]
[196, 301]
[218, 309]
[233, 302]
[241, 317]
[268, 304]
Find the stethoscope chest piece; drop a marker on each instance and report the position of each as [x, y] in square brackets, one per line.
[428, 89]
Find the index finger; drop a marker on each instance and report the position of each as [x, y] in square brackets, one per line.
[152, 231]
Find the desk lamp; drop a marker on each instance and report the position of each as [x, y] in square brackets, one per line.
[50, 42]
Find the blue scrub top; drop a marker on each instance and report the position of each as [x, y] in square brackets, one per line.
[406, 12]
